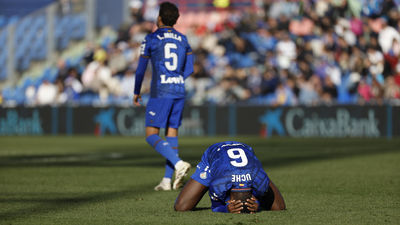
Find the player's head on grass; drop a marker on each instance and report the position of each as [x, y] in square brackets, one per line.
[168, 14]
[241, 195]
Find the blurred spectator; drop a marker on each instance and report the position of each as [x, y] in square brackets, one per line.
[47, 93]
[285, 7]
[375, 63]
[61, 96]
[117, 61]
[387, 35]
[392, 90]
[329, 89]
[286, 51]
[88, 53]
[62, 69]
[136, 12]
[254, 80]
[73, 87]
[98, 78]
[284, 95]
[301, 26]
[364, 90]
[308, 90]
[295, 52]
[128, 84]
[197, 84]
[30, 95]
[269, 82]
[152, 9]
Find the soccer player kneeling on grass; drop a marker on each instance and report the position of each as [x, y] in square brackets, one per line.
[234, 179]
[172, 61]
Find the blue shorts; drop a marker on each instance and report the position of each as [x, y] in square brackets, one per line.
[164, 112]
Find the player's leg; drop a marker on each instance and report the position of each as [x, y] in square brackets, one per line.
[157, 112]
[165, 184]
[174, 121]
[171, 136]
[161, 146]
[165, 149]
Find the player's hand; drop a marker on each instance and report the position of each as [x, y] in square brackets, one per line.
[137, 99]
[252, 204]
[235, 206]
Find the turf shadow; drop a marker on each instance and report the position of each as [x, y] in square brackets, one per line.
[48, 205]
[270, 155]
[201, 208]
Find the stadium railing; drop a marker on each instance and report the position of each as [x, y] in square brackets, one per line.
[38, 35]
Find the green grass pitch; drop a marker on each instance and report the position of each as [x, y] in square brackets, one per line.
[110, 180]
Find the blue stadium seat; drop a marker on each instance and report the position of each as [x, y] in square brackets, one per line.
[88, 98]
[3, 55]
[26, 62]
[27, 82]
[13, 19]
[8, 93]
[3, 21]
[3, 73]
[50, 74]
[37, 82]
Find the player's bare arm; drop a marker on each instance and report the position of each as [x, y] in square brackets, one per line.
[279, 202]
[190, 196]
[272, 199]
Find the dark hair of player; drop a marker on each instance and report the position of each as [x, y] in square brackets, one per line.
[242, 195]
[169, 13]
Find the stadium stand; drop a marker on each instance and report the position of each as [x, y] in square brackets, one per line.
[3, 55]
[274, 53]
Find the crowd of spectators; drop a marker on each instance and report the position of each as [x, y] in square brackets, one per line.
[283, 53]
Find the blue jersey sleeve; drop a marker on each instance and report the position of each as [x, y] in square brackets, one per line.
[145, 55]
[202, 173]
[141, 69]
[218, 206]
[145, 50]
[188, 48]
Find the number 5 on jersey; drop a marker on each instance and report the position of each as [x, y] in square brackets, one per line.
[168, 54]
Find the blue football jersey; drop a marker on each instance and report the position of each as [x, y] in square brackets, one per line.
[229, 165]
[167, 49]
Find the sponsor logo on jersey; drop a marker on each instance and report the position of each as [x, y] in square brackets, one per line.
[172, 80]
[241, 177]
[152, 113]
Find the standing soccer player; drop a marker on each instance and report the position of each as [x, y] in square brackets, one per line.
[172, 62]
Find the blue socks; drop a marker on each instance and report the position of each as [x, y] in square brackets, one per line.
[164, 148]
[169, 167]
